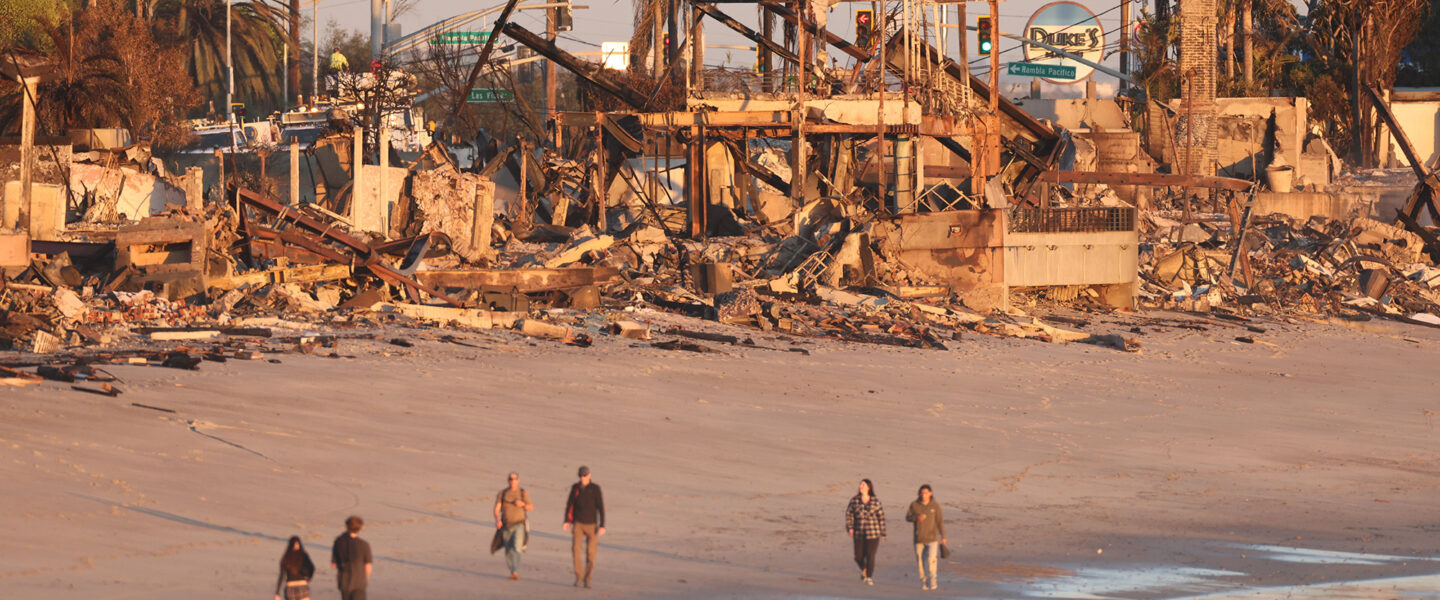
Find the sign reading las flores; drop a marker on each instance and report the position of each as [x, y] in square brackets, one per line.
[1070, 27]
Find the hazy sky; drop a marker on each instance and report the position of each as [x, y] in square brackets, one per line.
[610, 20]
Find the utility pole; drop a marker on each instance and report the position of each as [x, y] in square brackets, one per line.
[315, 53]
[377, 29]
[551, 16]
[1124, 39]
[229, 69]
[292, 47]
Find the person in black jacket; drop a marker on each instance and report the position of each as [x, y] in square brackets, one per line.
[352, 561]
[295, 572]
[585, 519]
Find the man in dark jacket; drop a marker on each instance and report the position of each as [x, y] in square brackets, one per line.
[350, 557]
[585, 519]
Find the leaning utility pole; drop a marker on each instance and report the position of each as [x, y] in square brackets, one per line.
[552, 14]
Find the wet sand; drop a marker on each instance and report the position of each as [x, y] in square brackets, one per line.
[1199, 467]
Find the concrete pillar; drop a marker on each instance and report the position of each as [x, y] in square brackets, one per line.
[295, 174]
[27, 152]
[484, 218]
[1035, 88]
[220, 160]
[357, 168]
[195, 190]
[384, 181]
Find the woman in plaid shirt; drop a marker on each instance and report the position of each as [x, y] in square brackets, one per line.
[865, 522]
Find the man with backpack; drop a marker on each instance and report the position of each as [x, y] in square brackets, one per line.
[511, 504]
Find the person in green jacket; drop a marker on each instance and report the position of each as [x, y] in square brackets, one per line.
[929, 535]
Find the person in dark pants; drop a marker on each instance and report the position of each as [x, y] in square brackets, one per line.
[350, 557]
[295, 572]
[865, 522]
[585, 519]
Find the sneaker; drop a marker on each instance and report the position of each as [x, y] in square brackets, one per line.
[869, 581]
[515, 576]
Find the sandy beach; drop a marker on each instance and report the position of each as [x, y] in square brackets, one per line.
[1202, 466]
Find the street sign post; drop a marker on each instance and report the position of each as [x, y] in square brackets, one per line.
[461, 38]
[1047, 71]
[483, 95]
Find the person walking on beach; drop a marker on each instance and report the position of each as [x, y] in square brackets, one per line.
[350, 557]
[865, 522]
[585, 519]
[295, 572]
[511, 504]
[929, 535]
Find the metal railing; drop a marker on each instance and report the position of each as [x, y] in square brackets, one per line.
[1072, 220]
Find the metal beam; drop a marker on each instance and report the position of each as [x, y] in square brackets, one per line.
[1148, 179]
[579, 67]
[713, 12]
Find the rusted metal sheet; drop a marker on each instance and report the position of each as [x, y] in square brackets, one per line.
[1151, 179]
[524, 280]
[360, 250]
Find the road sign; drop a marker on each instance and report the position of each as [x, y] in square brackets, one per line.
[461, 38]
[490, 95]
[1042, 70]
[1070, 27]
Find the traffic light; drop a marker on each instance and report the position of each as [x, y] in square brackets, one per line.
[565, 18]
[665, 40]
[759, 60]
[864, 28]
[985, 35]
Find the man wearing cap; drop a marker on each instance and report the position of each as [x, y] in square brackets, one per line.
[511, 504]
[585, 519]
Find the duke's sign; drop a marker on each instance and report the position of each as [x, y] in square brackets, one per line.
[1070, 27]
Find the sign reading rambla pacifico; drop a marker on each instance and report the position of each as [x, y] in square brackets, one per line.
[1069, 27]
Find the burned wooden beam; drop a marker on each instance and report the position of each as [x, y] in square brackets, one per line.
[524, 280]
[579, 67]
[1150, 179]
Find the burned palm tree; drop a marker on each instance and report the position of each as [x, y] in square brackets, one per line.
[255, 33]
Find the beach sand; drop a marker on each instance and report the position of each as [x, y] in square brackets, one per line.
[1199, 466]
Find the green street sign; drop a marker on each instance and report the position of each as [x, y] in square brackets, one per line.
[1042, 70]
[461, 38]
[490, 95]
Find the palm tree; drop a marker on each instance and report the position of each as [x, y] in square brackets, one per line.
[255, 37]
[88, 89]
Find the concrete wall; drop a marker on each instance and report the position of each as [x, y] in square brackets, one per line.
[1076, 113]
[961, 249]
[1046, 259]
[1421, 122]
[48, 202]
[1303, 205]
[1241, 133]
